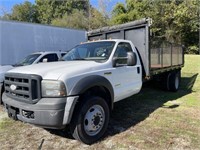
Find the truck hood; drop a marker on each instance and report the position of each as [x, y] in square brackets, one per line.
[55, 69]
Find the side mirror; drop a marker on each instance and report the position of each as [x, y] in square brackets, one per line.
[119, 61]
[44, 60]
[131, 59]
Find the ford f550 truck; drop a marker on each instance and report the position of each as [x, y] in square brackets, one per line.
[80, 92]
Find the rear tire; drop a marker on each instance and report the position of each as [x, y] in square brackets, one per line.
[90, 120]
[170, 81]
[173, 82]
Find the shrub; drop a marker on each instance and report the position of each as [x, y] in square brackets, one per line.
[192, 50]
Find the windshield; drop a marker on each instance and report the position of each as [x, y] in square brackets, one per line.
[28, 60]
[97, 51]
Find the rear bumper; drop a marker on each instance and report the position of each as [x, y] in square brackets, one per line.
[52, 113]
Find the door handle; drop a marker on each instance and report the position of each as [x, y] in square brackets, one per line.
[138, 70]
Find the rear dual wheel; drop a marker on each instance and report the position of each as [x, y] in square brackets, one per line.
[172, 81]
[90, 120]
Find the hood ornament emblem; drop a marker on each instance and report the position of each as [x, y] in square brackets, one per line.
[13, 87]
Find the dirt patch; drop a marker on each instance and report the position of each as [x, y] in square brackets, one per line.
[180, 143]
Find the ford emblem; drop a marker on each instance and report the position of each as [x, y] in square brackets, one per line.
[13, 87]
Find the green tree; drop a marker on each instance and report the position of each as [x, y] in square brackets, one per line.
[49, 10]
[23, 12]
[76, 19]
[119, 9]
[119, 14]
[82, 16]
[97, 19]
[173, 20]
[187, 20]
[80, 20]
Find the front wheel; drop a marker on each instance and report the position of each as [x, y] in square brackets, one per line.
[90, 120]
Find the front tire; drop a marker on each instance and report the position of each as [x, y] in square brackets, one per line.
[90, 120]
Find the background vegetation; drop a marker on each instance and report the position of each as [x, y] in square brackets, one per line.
[174, 20]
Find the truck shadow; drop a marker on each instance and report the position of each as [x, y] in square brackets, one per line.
[131, 111]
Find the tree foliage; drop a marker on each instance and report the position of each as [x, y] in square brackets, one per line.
[76, 19]
[176, 21]
[80, 20]
[49, 10]
[173, 20]
[97, 19]
[23, 12]
[64, 13]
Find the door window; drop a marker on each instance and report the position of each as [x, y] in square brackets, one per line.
[121, 53]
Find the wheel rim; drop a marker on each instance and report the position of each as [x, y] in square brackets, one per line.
[177, 82]
[94, 120]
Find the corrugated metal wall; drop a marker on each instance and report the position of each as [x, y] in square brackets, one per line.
[17, 39]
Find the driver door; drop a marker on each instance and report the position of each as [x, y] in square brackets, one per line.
[127, 79]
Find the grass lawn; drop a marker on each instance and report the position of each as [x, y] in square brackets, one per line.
[163, 120]
[153, 119]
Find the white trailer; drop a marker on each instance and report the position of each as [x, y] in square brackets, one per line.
[18, 39]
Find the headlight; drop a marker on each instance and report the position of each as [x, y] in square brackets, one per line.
[51, 88]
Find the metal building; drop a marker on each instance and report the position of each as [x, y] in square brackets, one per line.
[18, 39]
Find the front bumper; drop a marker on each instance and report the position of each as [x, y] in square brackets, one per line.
[52, 113]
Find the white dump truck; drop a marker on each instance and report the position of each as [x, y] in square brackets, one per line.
[80, 92]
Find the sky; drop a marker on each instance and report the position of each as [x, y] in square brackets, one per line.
[6, 5]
